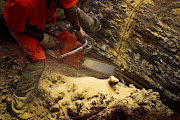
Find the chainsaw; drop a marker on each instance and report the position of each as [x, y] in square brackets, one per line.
[69, 49]
[71, 52]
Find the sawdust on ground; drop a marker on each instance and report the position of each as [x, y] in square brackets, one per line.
[62, 97]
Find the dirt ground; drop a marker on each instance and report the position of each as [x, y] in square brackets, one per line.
[76, 93]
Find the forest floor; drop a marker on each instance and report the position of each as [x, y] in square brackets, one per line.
[67, 92]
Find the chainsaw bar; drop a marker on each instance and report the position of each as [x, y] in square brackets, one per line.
[99, 66]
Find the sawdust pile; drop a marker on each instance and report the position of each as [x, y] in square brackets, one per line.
[82, 98]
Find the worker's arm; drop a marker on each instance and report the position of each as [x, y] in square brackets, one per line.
[47, 41]
[72, 16]
[16, 15]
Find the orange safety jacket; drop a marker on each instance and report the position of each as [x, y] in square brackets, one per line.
[19, 13]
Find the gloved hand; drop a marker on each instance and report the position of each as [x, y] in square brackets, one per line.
[82, 35]
[48, 41]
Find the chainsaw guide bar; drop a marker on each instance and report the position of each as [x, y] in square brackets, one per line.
[99, 66]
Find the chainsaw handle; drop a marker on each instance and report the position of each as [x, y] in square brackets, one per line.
[90, 44]
[85, 50]
[74, 51]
